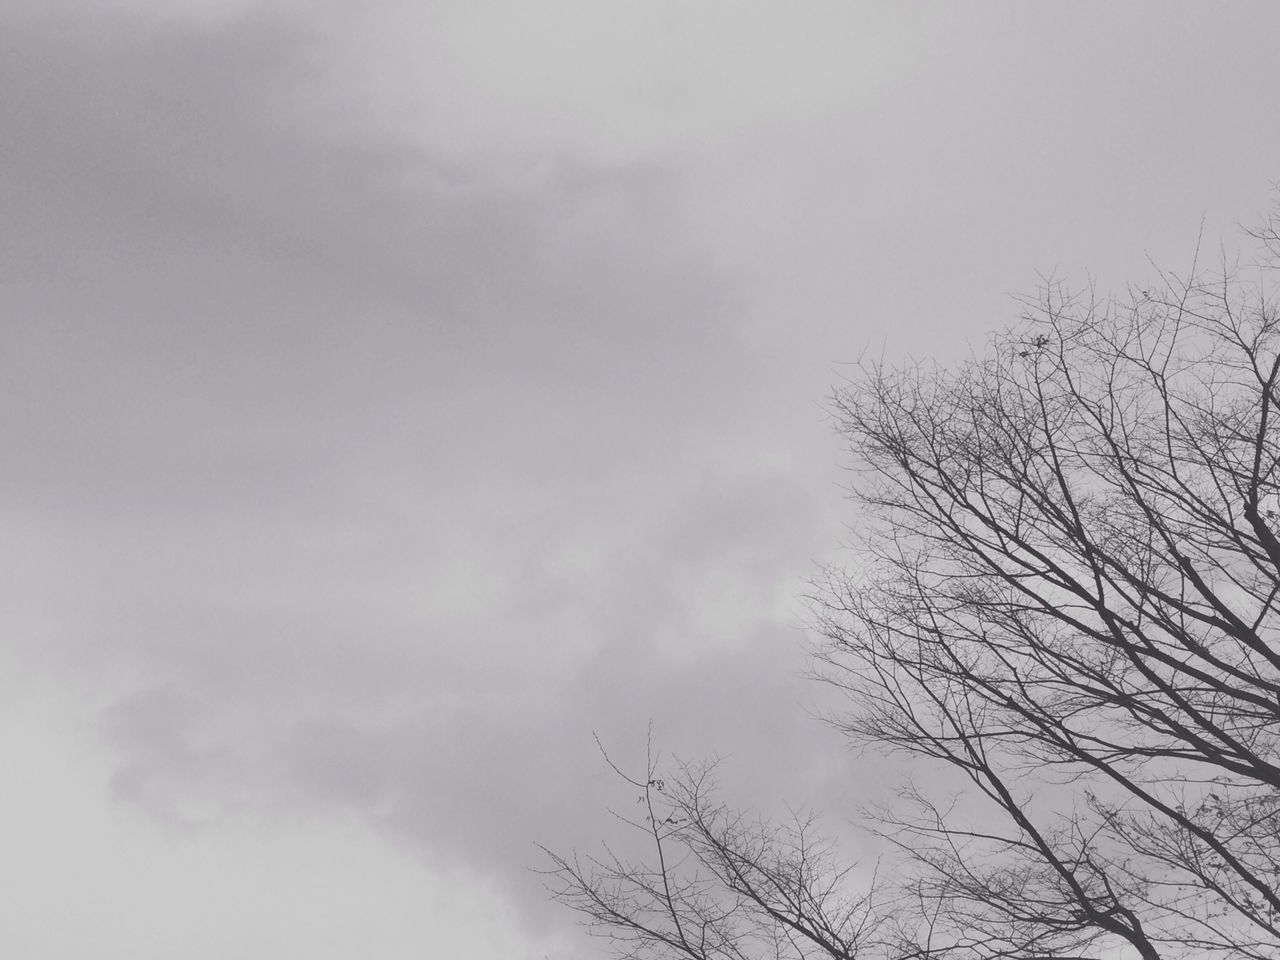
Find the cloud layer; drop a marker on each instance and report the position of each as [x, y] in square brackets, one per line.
[396, 397]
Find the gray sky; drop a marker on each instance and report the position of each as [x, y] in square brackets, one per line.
[397, 392]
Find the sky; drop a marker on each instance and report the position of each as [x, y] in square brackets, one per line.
[398, 394]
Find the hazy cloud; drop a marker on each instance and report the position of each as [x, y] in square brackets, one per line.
[395, 396]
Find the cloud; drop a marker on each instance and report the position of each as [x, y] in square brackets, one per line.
[370, 484]
[82, 872]
[395, 396]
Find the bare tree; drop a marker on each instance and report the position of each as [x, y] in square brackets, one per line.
[718, 884]
[1065, 588]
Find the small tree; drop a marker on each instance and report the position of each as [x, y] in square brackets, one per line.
[1065, 589]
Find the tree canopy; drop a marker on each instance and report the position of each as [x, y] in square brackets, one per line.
[1065, 587]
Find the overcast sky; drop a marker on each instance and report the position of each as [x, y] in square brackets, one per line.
[396, 392]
